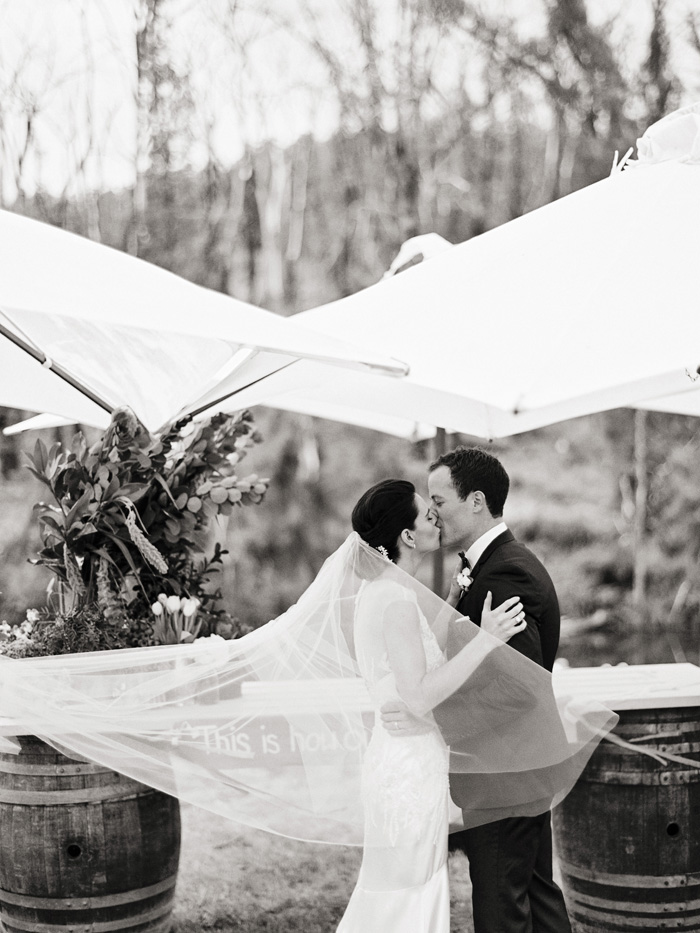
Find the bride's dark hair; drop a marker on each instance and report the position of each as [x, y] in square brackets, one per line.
[382, 513]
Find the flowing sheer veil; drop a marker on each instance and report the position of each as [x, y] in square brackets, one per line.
[270, 729]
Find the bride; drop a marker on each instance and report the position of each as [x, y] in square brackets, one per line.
[403, 882]
[278, 729]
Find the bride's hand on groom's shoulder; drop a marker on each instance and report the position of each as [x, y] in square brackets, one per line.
[398, 720]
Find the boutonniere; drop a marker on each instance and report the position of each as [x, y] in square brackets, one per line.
[464, 578]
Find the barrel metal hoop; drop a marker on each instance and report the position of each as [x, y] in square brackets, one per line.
[20, 767]
[665, 777]
[664, 745]
[78, 795]
[85, 902]
[94, 926]
[682, 748]
[634, 907]
[657, 924]
[651, 730]
[630, 881]
[630, 922]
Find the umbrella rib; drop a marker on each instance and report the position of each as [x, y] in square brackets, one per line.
[55, 368]
[216, 401]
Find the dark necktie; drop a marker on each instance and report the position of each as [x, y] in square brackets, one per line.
[465, 563]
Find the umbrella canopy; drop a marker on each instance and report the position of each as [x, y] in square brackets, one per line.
[88, 369]
[683, 403]
[586, 304]
[134, 333]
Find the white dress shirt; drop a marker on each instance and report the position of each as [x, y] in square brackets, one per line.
[480, 545]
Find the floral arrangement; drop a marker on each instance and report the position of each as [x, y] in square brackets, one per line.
[125, 534]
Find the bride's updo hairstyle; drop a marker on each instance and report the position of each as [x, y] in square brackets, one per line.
[383, 512]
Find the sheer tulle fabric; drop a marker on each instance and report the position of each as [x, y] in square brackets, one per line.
[272, 729]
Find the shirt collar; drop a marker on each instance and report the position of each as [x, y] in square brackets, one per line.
[480, 545]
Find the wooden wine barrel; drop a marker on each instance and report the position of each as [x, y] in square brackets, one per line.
[83, 848]
[628, 834]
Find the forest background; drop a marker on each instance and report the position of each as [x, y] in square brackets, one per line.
[414, 116]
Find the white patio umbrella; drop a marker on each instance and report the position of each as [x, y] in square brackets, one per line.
[124, 331]
[589, 303]
[685, 403]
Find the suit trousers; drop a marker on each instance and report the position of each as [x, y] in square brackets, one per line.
[510, 865]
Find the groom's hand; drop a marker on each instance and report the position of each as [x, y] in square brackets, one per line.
[397, 719]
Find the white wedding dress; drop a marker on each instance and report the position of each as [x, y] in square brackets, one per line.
[403, 883]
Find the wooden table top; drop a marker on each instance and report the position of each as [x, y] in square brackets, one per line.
[634, 686]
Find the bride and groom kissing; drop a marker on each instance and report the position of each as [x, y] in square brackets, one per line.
[460, 699]
[450, 701]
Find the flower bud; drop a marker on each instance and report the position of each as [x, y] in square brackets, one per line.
[157, 609]
[189, 607]
[173, 604]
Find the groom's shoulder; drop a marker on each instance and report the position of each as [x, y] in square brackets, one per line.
[515, 554]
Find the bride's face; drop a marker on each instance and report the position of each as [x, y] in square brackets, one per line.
[426, 533]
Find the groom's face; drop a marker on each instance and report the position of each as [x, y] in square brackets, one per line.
[455, 516]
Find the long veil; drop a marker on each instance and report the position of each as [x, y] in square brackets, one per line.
[270, 729]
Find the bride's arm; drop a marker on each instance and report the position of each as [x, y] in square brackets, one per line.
[423, 690]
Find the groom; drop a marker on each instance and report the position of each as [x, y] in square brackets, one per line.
[510, 860]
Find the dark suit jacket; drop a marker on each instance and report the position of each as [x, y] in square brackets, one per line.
[506, 568]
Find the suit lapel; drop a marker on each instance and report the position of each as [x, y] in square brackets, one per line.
[469, 605]
[504, 538]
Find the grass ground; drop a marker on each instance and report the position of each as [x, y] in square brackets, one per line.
[238, 880]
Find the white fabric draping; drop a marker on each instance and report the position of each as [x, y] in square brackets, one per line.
[271, 729]
[585, 304]
[135, 333]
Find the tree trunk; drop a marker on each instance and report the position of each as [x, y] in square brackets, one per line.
[439, 556]
[639, 586]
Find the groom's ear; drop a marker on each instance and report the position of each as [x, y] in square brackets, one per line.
[479, 500]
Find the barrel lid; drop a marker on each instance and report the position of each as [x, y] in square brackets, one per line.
[632, 686]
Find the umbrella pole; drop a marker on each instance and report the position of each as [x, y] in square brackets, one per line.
[439, 448]
[55, 368]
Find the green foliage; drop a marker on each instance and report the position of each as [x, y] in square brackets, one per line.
[81, 629]
[128, 524]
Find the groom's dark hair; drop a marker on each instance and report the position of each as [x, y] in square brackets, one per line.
[474, 468]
